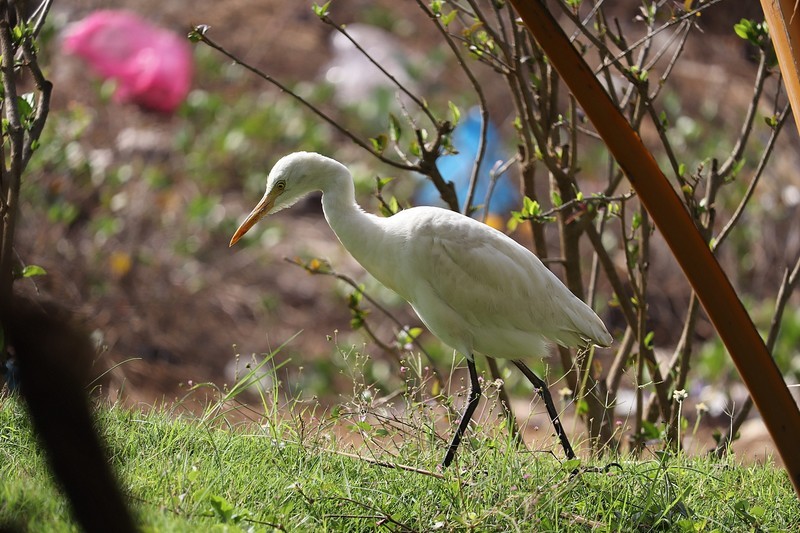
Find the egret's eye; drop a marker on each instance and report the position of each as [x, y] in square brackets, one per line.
[280, 185]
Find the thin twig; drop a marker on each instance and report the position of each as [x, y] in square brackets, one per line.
[747, 125]
[762, 164]
[40, 14]
[201, 34]
[383, 515]
[673, 60]
[652, 33]
[386, 464]
[494, 176]
[414, 98]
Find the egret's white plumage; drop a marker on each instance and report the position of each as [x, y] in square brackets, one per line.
[475, 288]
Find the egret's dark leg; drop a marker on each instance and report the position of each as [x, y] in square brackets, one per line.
[544, 392]
[472, 404]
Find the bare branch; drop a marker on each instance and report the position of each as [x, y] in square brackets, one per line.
[202, 35]
[747, 124]
[423, 106]
[476, 86]
[652, 33]
[765, 156]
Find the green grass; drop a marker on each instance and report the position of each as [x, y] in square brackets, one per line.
[206, 473]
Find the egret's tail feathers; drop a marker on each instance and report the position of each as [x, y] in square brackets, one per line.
[587, 327]
[601, 336]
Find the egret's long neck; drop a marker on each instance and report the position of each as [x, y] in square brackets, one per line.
[359, 232]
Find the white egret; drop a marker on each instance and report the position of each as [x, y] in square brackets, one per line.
[475, 288]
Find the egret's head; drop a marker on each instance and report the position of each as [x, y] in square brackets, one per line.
[292, 177]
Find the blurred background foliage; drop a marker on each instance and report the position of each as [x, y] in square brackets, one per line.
[130, 211]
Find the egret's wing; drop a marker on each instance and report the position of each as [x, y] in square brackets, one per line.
[490, 280]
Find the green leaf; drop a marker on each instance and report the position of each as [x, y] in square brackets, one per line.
[415, 149]
[741, 28]
[681, 169]
[649, 430]
[447, 146]
[633, 256]
[513, 221]
[756, 33]
[321, 10]
[636, 221]
[527, 205]
[648, 340]
[356, 296]
[357, 322]
[530, 208]
[25, 106]
[555, 198]
[638, 73]
[379, 143]
[737, 167]
[742, 507]
[448, 18]
[746, 29]
[663, 119]
[571, 464]
[33, 270]
[197, 33]
[361, 426]
[395, 131]
[581, 407]
[408, 336]
[771, 121]
[382, 182]
[222, 508]
[193, 475]
[455, 112]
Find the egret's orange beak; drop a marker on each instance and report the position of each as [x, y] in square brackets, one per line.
[258, 212]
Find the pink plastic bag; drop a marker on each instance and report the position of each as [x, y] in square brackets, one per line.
[152, 66]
